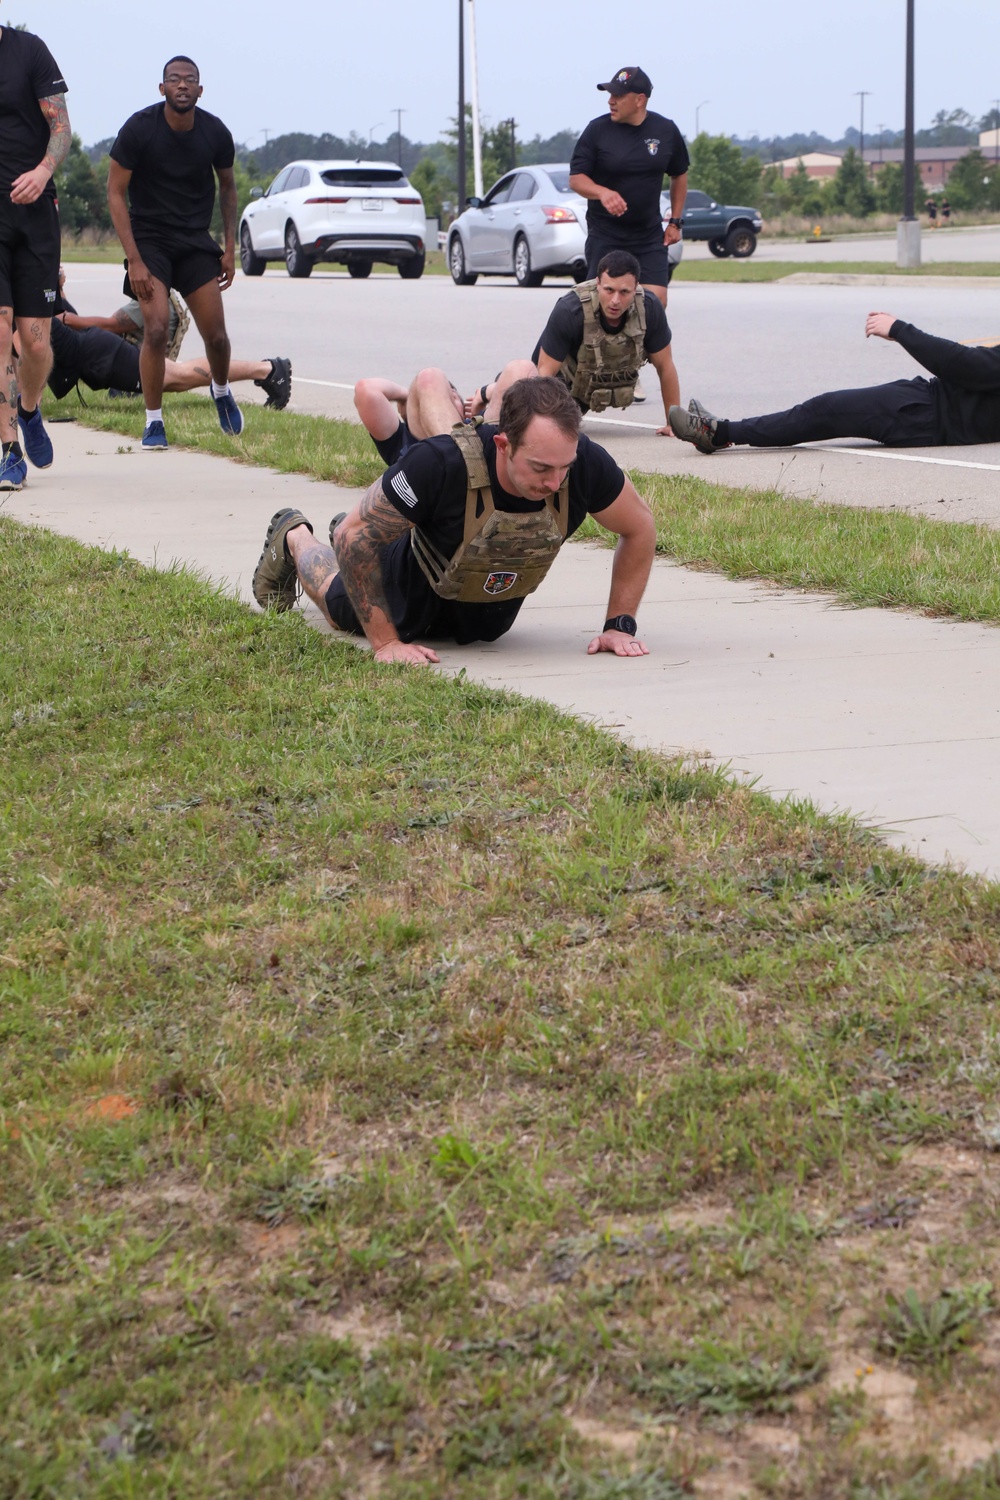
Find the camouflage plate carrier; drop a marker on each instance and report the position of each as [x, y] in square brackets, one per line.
[605, 369]
[180, 322]
[503, 553]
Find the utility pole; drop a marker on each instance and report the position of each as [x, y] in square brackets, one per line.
[862, 94]
[399, 113]
[513, 143]
[996, 131]
[881, 142]
[908, 227]
[477, 146]
[460, 173]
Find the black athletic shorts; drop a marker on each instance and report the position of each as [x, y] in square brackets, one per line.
[652, 254]
[29, 256]
[183, 262]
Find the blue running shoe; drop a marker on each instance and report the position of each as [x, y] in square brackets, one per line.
[37, 443]
[13, 471]
[230, 416]
[154, 437]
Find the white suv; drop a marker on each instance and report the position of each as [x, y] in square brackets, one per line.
[351, 212]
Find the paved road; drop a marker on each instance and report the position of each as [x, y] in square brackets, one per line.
[741, 349]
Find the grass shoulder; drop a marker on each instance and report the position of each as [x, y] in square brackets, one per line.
[407, 1088]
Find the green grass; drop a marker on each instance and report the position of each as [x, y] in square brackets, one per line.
[775, 270]
[405, 1088]
[860, 556]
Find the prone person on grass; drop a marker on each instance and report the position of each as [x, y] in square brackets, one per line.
[453, 537]
[960, 404]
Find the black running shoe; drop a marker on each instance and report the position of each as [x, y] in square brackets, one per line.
[277, 386]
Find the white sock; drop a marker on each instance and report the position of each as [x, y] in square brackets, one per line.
[154, 416]
[220, 390]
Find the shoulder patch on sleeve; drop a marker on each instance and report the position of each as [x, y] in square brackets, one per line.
[403, 489]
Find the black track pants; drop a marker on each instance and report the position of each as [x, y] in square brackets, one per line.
[902, 414]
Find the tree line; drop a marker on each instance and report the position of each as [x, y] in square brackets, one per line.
[730, 169]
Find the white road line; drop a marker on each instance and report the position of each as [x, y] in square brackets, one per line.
[335, 385]
[906, 458]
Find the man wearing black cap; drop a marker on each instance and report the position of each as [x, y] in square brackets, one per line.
[619, 164]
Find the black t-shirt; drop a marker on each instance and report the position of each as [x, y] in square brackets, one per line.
[428, 486]
[28, 72]
[563, 333]
[966, 387]
[391, 449]
[173, 183]
[631, 159]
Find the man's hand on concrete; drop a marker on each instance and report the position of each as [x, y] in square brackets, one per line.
[878, 325]
[613, 202]
[665, 431]
[408, 652]
[618, 643]
[30, 186]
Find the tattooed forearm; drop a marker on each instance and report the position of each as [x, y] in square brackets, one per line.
[360, 541]
[60, 136]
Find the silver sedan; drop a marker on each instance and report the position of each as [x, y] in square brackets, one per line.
[529, 225]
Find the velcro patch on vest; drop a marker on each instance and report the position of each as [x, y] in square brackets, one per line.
[499, 583]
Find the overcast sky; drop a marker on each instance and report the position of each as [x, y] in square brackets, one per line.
[769, 67]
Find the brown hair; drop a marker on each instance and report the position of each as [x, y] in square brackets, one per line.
[543, 397]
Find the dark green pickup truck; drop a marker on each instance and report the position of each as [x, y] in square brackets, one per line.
[728, 230]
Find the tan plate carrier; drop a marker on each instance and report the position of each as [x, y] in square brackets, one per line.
[503, 553]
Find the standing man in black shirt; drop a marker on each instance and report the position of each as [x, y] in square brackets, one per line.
[161, 192]
[961, 404]
[34, 141]
[619, 164]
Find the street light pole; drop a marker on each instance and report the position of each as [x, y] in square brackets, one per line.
[697, 112]
[908, 227]
[460, 171]
[862, 94]
[399, 113]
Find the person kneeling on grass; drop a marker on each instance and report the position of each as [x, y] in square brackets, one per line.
[959, 405]
[448, 543]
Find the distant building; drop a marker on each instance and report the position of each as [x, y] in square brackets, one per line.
[934, 164]
[989, 142]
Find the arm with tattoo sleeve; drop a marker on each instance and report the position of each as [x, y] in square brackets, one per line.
[30, 186]
[358, 542]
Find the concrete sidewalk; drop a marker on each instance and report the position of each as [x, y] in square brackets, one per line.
[889, 716]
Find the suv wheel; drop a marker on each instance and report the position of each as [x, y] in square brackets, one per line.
[359, 269]
[718, 247]
[412, 269]
[523, 274]
[456, 264]
[297, 261]
[253, 264]
[741, 242]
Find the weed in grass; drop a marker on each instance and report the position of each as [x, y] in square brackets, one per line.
[723, 1381]
[930, 1330]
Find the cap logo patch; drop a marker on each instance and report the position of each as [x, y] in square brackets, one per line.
[499, 583]
[624, 76]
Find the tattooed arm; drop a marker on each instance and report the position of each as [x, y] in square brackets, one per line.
[359, 540]
[229, 203]
[31, 185]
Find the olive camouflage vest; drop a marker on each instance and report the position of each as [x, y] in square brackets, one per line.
[503, 553]
[605, 368]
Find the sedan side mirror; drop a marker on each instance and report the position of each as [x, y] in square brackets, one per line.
[256, 192]
[474, 202]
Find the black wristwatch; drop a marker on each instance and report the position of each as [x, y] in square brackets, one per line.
[675, 222]
[625, 623]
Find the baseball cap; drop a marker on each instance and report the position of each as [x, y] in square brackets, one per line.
[628, 81]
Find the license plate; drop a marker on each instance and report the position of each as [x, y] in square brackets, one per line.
[372, 205]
